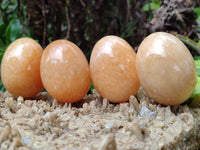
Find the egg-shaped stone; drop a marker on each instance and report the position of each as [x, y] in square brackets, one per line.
[20, 68]
[113, 70]
[65, 71]
[165, 68]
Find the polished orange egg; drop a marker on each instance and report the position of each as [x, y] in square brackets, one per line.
[165, 68]
[20, 68]
[65, 71]
[113, 70]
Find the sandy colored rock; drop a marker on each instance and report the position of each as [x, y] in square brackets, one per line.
[94, 123]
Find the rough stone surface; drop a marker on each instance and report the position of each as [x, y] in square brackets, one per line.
[94, 123]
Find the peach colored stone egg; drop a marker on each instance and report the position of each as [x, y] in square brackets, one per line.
[113, 70]
[65, 71]
[20, 68]
[165, 69]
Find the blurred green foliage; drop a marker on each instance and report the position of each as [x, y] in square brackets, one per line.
[152, 5]
[91, 87]
[197, 64]
[194, 100]
[11, 24]
[197, 11]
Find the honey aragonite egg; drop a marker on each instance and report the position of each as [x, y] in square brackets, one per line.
[20, 68]
[112, 68]
[65, 71]
[165, 68]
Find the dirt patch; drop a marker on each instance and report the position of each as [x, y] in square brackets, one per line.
[94, 123]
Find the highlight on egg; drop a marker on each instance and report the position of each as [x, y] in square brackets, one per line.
[65, 71]
[113, 70]
[166, 69]
[20, 68]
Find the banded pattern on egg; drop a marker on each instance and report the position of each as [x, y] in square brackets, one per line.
[20, 68]
[112, 68]
[165, 68]
[65, 71]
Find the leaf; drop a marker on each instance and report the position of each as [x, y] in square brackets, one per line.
[196, 58]
[154, 6]
[91, 87]
[197, 64]
[151, 6]
[4, 5]
[197, 88]
[146, 7]
[2, 30]
[197, 11]
[156, 1]
[1, 21]
[198, 71]
[2, 49]
[189, 42]
[13, 31]
[1, 43]
[195, 102]
[2, 88]
[1, 54]
[128, 32]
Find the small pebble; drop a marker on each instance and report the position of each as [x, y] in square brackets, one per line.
[25, 140]
[29, 103]
[105, 103]
[108, 143]
[85, 108]
[146, 112]
[55, 103]
[5, 134]
[20, 99]
[134, 103]
[9, 102]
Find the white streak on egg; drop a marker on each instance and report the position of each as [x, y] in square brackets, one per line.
[177, 68]
[29, 67]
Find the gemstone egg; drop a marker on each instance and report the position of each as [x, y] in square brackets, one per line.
[113, 70]
[20, 68]
[165, 68]
[65, 71]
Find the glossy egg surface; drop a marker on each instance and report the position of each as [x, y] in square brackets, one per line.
[65, 71]
[165, 68]
[113, 71]
[20, 68]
